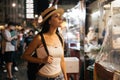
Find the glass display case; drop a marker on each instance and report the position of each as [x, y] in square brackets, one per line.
[109, 55]
[107, 65]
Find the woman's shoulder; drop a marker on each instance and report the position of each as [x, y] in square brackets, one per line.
[37, 38]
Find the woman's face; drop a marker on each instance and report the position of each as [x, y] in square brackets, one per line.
[55, 20]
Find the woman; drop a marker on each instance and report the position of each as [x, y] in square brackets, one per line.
[54, 63]
[91, 40]
[91, 36]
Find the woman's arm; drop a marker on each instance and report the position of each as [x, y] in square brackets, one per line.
[31, 48]
[63, 66]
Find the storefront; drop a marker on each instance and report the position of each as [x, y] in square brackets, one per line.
[107, 65]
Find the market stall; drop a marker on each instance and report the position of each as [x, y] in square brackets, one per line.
[107, 66]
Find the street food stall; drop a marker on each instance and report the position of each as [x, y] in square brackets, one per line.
[107, 65]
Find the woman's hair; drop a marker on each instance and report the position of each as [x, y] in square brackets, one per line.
[46, 26]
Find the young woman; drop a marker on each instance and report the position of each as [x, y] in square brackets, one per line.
[54, 68]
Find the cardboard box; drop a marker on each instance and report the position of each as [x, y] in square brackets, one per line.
[72, 64]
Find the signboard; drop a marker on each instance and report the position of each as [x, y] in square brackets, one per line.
[29, 9]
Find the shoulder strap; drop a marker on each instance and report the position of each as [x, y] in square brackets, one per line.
[44, 44]
[60, 38]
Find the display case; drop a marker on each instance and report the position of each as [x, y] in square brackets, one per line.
[108, 59]
[110, 52]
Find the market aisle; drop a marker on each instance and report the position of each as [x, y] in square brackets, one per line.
[20, 75]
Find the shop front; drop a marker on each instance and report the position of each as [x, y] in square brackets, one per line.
[107, 63]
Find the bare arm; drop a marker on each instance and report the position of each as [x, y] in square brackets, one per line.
[31, 48]
[63, 66]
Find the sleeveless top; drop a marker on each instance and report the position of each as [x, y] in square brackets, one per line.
[54, 68]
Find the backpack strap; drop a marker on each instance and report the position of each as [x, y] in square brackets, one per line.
[44, 43]
[60, 38]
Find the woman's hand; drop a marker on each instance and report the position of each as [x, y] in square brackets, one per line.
[48, 59]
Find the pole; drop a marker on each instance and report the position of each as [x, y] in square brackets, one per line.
[68, 41]
[82, 41]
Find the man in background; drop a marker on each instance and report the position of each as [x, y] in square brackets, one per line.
[9, 49]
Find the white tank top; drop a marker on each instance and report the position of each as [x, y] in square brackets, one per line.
[55, 67]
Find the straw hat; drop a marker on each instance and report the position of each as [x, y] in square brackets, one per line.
[49, 12]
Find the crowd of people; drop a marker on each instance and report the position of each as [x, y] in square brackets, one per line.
[13, 43]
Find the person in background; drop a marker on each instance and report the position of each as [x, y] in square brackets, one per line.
[29, 38]
[90, 53]
[15, 43]
[27, 41]
[9, 49]
[54, 68]
[21, 38]
[91, 36]
[91, 40]
[1, 55]
[2, 43]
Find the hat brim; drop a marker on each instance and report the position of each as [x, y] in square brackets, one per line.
[59, 10]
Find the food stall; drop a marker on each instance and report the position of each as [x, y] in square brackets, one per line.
[107, 65]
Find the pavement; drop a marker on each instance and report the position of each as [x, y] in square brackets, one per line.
[21, 74]
[18, 75]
